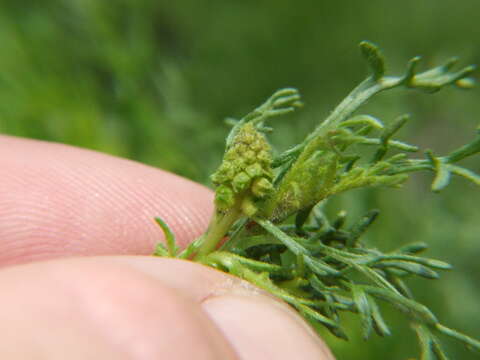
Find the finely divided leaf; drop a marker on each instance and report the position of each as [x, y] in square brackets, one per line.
[374, 58]
[364, 309]
[169, 237]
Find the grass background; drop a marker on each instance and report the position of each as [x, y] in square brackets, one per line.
[153, 80]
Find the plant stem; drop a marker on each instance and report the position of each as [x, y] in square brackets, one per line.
[217, 230]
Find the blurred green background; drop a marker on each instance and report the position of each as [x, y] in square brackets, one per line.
[153, 80]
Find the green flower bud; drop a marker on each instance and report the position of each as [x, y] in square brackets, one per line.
[250, 156]
[261, 187]
[224, 174]
[224, 198]
[241, 182]
[241, 149]
[256, 146]
[248, 136]
[264, 157]
[230, 156]
[248, 207]
[254, 170]
[239, 164]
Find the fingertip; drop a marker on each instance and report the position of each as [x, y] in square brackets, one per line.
[260, 328]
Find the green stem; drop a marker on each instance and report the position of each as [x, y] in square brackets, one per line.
[217, 230]
[235, 238]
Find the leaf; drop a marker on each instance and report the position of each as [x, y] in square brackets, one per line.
[191, 248]
[376, 278]
[364, 309]
[465, 83]
[320, 267]
[302, 217]
[352, 262]
[387, 133]
[314, 317]
[287, 156]
[409, 306]
[161, 250]
[316, 265]
[379, 324]
[363, 120]
[169, 237]
[467, 174]
[464, 151]
[442, 173]
[425, 342]
[283, 101]
[433, 263]
[289, 242]
[227, 259]
[374, 58]
[360, 227]
[398, 283]
[411, 67]
[433, 80]
[412, 248]
[330, 310]
[318, 285]
[230, 121]
[438, 350]
[467, 340]
[430, 347]
[391, 143]
[409, 267]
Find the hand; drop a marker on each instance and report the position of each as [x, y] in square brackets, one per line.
[69, 206]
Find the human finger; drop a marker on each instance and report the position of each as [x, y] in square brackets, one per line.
[57, 200]
[144, 308]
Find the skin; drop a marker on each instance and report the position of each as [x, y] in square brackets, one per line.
[76, 282]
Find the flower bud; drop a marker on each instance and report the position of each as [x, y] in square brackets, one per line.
[224, 198]
[248, 207]
[240, 182]
[223, 174]
[254, 170]
[261, 187]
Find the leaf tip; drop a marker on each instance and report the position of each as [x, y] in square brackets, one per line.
[374, 57]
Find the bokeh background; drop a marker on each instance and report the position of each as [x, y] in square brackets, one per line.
[153, 80]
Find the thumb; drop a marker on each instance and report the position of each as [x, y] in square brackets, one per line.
[144, 308]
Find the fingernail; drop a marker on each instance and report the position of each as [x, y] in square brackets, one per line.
[261, 328]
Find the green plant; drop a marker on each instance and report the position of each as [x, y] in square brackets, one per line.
[270, 209]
